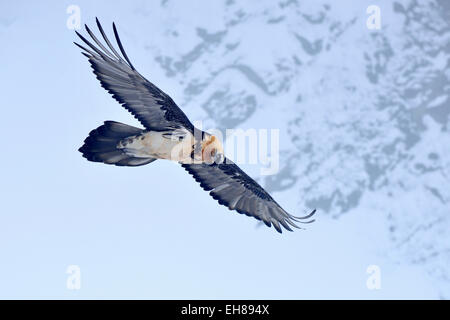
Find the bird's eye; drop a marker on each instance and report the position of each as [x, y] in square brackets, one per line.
[213, 153]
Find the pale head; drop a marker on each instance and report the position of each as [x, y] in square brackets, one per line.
[212, 150]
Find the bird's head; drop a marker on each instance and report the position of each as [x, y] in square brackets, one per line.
[212, 150]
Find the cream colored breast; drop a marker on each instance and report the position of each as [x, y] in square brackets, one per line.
[160, 145]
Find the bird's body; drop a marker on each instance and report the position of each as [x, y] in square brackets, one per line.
[165, 145]
[158, 145]
[169, 135]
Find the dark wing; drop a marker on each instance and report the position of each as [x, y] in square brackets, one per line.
[151, 106]
[234, 189]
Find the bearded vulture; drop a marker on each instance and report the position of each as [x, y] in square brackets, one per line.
[169, 134]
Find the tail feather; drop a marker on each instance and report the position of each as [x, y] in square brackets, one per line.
[101, 145]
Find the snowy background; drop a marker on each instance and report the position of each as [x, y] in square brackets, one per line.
[365, 138]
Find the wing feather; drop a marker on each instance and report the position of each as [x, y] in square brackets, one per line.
[233, 188]
[150, 105]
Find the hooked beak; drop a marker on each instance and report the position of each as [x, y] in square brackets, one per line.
[219, 158]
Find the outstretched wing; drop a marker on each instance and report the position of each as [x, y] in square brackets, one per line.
[234, 189]
[150, 105]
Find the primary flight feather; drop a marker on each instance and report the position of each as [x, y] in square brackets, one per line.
[170, 135]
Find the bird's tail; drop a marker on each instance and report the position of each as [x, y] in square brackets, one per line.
[101, 145]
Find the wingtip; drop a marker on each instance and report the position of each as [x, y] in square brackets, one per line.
[116, 34]
[79, 45]
[304, 217]
[310, 215]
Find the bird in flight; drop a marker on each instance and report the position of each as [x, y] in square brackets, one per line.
[170, 135]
